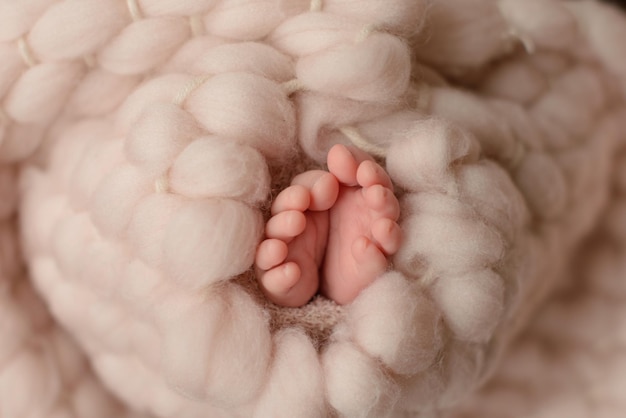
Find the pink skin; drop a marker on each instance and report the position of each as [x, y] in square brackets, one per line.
[330, 231]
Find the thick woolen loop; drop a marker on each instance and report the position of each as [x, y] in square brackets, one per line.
[356, 385]
[190, 326]
[490, 191]
[445, 236]
[69, 240]
[160, 133]
[44, 208]
[210, 240]
[423, 160]
[146, 230]
[249, 57]
[243, 20]
[241, 357]
[100, 92]
[11, 68]
[311, 33]
[164, 88]
[375, 69]
[217, 167]
[38, 95]
[17, 18]
[516, 80]
[102, 268]
[143, 45]
[573, 104]
[192, 51]
[115, 197]
[472, 304]
[247, 108]
[102, 155]
[72, 145]
[541, 181]
[174, 8]
[462, 368]
[143, 288]
[394, 322]
[295, 377]
[462, 35]
[547, 24]
[68, 30]
[396, 16]
[468, 111]
[212, 344]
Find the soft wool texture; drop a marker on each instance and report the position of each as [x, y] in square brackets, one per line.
[141, 143]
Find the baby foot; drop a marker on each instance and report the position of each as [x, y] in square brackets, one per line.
[289, 259]
[340, 225]
[362, 225]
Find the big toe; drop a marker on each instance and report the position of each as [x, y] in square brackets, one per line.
[343, 163]
[370, 173]
[322, 187]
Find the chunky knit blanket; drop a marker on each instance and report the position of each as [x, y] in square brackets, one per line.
[142, 141]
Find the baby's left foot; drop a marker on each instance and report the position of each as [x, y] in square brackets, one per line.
[288, 261]
[363, 229]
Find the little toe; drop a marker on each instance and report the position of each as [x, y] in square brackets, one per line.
[369, 258]
[381, 200]
[285, 225]
[278, 281]
[322, 186]
[387, 234]
[369, 173]
[343, 163]
[296, 197]
[270, 253]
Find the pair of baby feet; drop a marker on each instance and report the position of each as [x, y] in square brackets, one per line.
[330, 231]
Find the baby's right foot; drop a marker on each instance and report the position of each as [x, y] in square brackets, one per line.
[363, 230]
[289, 259]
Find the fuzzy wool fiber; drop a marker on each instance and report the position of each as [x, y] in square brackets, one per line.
[141, 143]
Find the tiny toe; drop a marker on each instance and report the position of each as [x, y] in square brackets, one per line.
[343, 163]
[278, 281]
[294, 197]
[372, 261]
[322, 187]
[382, 200]
[286, 225]
[369, 173]
[387, 234]
[270, 253]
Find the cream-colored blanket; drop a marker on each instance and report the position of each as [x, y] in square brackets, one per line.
[141, 142]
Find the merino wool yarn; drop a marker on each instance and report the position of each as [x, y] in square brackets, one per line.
[141, 143]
